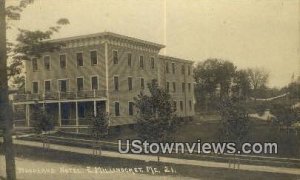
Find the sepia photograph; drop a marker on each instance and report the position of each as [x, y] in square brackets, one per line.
[149, 89]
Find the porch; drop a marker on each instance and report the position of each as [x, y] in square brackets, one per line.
[65, 114]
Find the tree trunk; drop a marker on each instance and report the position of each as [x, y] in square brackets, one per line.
[5, 110]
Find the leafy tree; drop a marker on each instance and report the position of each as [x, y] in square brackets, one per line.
[16, 52]
[258, 79]
[13, 12]
[235, 120]
[235, 123]
[284, 113]
[42, 122]
[206, 74]
[156, 119]
[242, 86]
[99, 127]
[31, 44]
[209, 75]
[294, 90]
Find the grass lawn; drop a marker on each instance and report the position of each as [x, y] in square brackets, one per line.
[197, 172]
[208, 131]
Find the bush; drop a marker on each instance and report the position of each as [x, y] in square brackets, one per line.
[42, 121]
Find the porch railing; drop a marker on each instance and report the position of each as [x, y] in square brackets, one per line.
[60, 95]
[72, 122]
[19, 122]
[83, 121]
[68, 122]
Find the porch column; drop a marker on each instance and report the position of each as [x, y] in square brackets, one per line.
[59, 114]
[107, 106]
[95, 108]
[27, 115]
[76, 110]
[107, 76]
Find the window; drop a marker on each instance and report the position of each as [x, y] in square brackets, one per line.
[35, 87]
[130, 108]
[94, 83]
[129, 83]
[167, 67]
[175, 105]
[142, 62]
[181, 105]
[34, 64]
[117, 108]
[63, 61]
[174, 86]
[129, 56]
[173, 68]
[190, 104]
[47, 62]
[116, 83]
[189, 87]
[62, 85]
[79, 84]
[189, 70]
[182, 69]
[168, 87]
[142, 83]
[79, 57]
[94, 59]
[115, 57]
[183, 87]
[47, 86]
[152, 63]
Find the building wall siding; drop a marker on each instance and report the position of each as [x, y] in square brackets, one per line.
[71, 71]
[122, 70]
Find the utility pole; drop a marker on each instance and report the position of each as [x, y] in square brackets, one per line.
[5, 109]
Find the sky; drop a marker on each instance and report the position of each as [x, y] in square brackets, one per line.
[249, 33]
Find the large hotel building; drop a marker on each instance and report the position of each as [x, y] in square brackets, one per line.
[103, 70]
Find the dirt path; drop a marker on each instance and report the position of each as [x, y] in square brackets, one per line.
[200, 163]
[31, 169]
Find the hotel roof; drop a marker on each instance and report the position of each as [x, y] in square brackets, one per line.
[119, 36]
[175, 59]
[107, 34]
